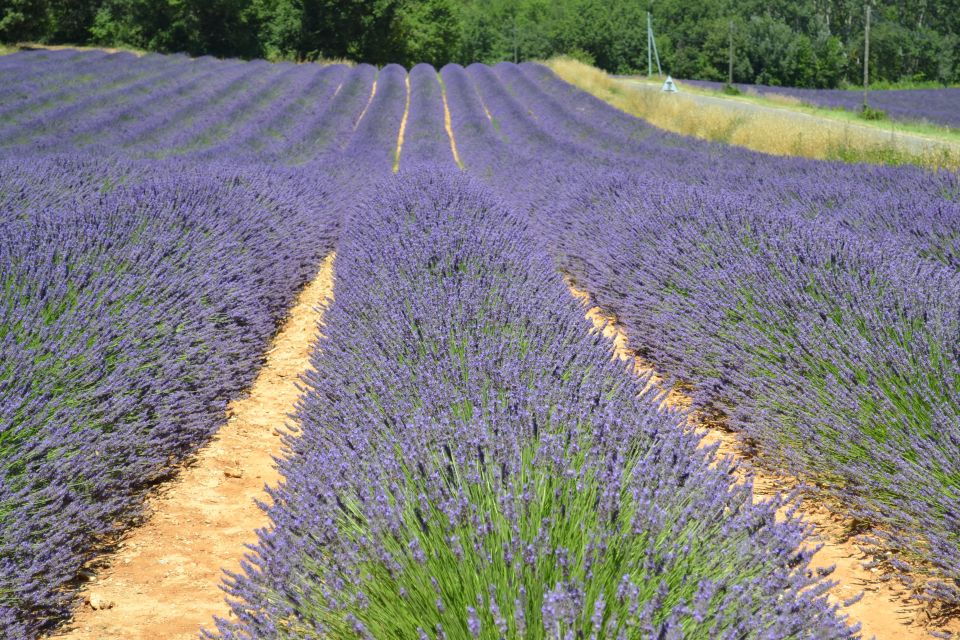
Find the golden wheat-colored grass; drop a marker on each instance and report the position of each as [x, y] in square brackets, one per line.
[775, 131]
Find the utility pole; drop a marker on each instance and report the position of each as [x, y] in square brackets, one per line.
[866, 57]
[649, 46]
[656, 56]
[730, 58]
[652, 49]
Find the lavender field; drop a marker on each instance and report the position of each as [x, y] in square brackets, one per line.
[927, 106]
[470, 462]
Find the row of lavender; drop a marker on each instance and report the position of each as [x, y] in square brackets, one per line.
[171, 106]
[134, 385]
[932, 106]
[472, 463]
[546, 148]
[812, 304]
[203, 110]
[139, 293]
[130, 315]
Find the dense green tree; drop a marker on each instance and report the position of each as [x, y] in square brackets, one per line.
[831, 62]
[800, 65]
[768, 42]
[70, 20]
[226, 27]
[948, 58]
[615, 34]
[781, 42]
[22, 20]
[357, 29]
[278, 27]
[429, 32]
[216, 27]
[156, 25]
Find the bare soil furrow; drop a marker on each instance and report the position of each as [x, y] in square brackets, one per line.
[164, 579]
[884, 611]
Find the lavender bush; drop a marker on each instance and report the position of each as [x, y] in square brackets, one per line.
[425, 140]
[140, 295]
[371, 146]
[119, 84]
[835, 354]
[471, 463]
[130, 315]
[812, 303]
[465, 440]
[29, 82]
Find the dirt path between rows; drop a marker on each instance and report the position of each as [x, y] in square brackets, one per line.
[403, 127]
[884, 611]
[366, 107]
[164, 581]
[448, 123]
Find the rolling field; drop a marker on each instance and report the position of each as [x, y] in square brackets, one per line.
[467, 460]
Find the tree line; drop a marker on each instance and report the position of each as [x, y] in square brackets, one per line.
[807, 43]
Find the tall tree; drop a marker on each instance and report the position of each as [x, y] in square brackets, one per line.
[429, 31]
[70, 20]
[801, 42]
[22, 20]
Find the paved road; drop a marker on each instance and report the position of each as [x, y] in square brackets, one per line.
[913, 143]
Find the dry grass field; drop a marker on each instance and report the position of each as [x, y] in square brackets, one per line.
[770, 130]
